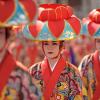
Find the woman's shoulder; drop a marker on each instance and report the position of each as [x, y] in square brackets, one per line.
[86, 61]
[35, 67]
[88, 57]
[72, 68]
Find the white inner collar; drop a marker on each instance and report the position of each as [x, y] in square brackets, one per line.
[52, 67]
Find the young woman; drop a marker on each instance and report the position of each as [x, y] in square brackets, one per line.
[89, 66]
[56, 78]
[15, 81]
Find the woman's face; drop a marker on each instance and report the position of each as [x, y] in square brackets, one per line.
[97, 41]
[2, 37]
[51, 49]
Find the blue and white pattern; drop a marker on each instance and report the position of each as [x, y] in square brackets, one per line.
[45, 33]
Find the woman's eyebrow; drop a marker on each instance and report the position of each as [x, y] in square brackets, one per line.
[98, 40]
[55, 42]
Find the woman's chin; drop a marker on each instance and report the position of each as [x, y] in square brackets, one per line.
[52, 57]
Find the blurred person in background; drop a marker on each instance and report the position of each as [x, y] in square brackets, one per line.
[15, 81]
[90, 64]
[24, 50]
[79, 49]
[68, 52]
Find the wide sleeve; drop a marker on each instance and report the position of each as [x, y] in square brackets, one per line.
[20, 86]
[75, 84]
[88, 74]
[28, 85]
[83, 69]
[35, 71]
[82, 95]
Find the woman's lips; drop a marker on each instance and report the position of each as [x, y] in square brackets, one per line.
[50, 52]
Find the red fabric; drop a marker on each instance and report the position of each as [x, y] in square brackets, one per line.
[32, 54]
[96, 95]
[53, 26]
[5, 12]
[53, 6]
[55, 12]
[37, 28]
[33, 29]
[93, 28]
[94, 15]
[55, 15]
[7, 65]
[75, 24]
[30, 7]
[50, 78]
[93, 21]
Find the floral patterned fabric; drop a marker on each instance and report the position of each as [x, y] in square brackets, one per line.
[68, 85]
[86, 69]
[19, 87]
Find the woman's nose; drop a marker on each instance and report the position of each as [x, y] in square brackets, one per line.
[50, 47]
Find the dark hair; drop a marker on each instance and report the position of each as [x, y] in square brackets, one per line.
[61, 44]
[7, 32]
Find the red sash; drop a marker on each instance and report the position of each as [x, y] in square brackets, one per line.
[7, 65]
[50, 78]
[96, 95]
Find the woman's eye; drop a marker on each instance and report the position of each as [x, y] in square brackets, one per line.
[45, 43]
[54, 43]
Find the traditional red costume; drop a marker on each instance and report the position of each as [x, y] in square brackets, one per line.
[56, 22]
[90, 65]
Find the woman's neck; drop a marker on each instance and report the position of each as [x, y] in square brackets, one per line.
[53, 61]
